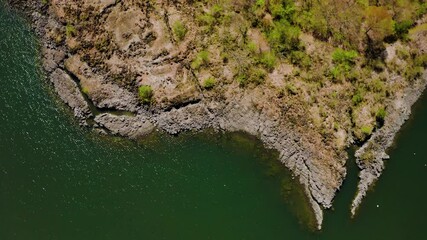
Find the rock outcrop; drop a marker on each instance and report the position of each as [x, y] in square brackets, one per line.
[125, 126]
[370, 157]
[70, 93]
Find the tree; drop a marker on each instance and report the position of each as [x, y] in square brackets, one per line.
[379, 23]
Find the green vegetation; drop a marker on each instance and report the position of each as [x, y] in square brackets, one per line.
[401, 29]
[253, 76]
[85, 90]
[357, 97]
[380, 116]
[343, 63]
[340, 56]
[268, 60]
[201, 59]
[145, 93]
[291, 89]
[70, 30]
[209, 83]
[367, 130]
[179, 30]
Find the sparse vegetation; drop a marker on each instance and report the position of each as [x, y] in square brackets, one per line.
[70, 30]
[201, 59]
[145, 93]
[209, 83]
[380, 116]
[367, 130]
[179, 30]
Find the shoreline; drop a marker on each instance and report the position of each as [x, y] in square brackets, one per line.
[371, 157]
[320, 182]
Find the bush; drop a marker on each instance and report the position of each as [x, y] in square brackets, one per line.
[291, 89]
[284, 37]
[252, 47]
[85, 90]
[70, 30]
[357, 98]
[412, 73]
[380, 116]
[401, 29]
[254, 75]
[421, 60]
[202, 58]
[340, 56]
[209, 83]
[179, 30]
[268, 60]
[145, 93]
[212, 18]
[344, 61]
[300, 58]
[367, 130]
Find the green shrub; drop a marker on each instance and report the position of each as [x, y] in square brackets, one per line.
[216, 11]
[421, 60]
[357, 97]
[284, 37]
[70, 30]
[401, 29]
[206, 20]
[209, 83]
[201, 59]
[179, 30]
[242, 79]
[252, 47]
[367, 130]
[380, 116]
[85, 90]
[290, 88]
[268, 60]
[300, 58]
[422, 9]
[257, 76]
[377, 86]
[335, 72]
[344, 61]
[145, 93]
[412, 73]
[340, 56]
[210, 19]
[253, 76]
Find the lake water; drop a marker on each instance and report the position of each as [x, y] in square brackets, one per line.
[60, 181]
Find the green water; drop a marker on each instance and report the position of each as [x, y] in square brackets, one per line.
[59, 181]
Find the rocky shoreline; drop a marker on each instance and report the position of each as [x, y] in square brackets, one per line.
[370, 157]
[319, 167]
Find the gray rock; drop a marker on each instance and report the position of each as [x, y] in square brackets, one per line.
[69, 92]
[125, 126]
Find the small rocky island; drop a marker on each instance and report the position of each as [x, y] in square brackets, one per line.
[309, 78]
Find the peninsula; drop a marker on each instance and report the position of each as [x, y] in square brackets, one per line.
[309, 78]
